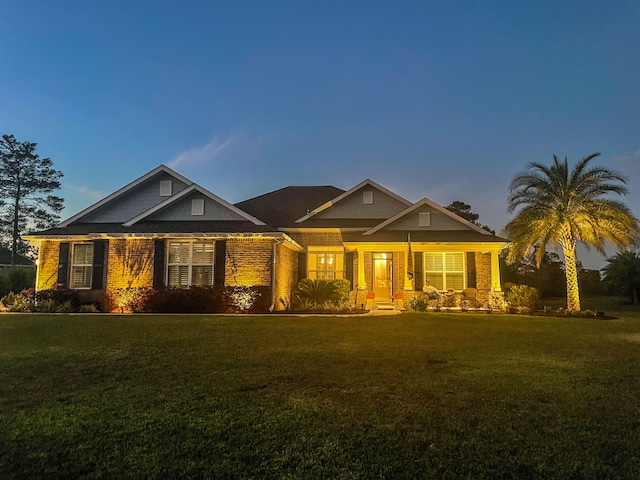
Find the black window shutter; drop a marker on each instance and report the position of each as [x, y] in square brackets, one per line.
[302, 265]
[158, 264]
[348, 259]
[219, 263]
[98, 264]
[63, 266]
[417, 269]
[471, 269]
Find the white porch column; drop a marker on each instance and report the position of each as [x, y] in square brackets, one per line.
[362, 282]
[495, 272]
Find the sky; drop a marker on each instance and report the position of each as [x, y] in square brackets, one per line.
[446, 100]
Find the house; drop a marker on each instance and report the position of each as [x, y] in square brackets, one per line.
[21, 260]
[164, 230]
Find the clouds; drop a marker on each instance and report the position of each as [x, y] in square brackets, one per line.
[204, 154]
[85, 192]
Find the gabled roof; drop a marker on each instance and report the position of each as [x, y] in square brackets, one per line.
[346, 194]
[127, 188]
[178, 196]
[434, 206]
[282, 207]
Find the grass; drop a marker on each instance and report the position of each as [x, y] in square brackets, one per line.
[444, 395]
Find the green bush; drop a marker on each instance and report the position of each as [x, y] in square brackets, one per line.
[419, 304]
[16, 279]
[322, 295]
[523, 297]
[214, 299]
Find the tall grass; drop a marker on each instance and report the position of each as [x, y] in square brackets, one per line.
[407, 396]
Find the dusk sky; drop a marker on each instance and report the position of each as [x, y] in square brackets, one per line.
[445, 100]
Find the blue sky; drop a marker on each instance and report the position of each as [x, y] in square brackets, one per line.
[445, 100]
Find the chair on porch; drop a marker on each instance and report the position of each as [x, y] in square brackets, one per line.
[469, 299]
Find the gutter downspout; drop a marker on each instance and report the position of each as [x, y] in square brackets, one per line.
[277, 242]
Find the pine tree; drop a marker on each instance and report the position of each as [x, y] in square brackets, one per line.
[26, 186]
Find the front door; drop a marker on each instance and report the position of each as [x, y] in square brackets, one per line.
[382, 276]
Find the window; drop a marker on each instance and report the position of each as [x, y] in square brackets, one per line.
[325, 265]
[197, 206]
[81, 265]
[190, 263]
[367, 197]
[445, 270]
[424, 219]
[165, 188]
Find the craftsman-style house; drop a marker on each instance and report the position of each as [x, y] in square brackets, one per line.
[163, 230]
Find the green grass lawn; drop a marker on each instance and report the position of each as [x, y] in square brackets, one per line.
[436, 395]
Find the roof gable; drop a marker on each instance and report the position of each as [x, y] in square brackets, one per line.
[439, 219]
[179, 208]
[5, 258]
[134, 198]
[366, 200]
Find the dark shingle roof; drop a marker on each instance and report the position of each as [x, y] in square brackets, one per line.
[5, 258]
[283, 207]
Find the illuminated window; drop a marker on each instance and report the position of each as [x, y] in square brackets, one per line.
[445, 270]
[81, 265]
[190, 263]
[325, 265]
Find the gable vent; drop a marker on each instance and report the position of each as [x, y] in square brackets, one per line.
[197, 206]
[424, 219]
[165, 188]
[367, 197]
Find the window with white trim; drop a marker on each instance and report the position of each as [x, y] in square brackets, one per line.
[325, 265]
[81, 265]
[445, 269]
[190, 263]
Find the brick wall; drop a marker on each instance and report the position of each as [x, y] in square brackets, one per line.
[286, 274]
[48, 265]
[248, 262]
[129, 263]
[329, 239]
[483, 276]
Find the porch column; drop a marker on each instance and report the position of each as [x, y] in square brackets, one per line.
[362, 283]
[495, 272]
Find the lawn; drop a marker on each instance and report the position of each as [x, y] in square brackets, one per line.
[435, 395]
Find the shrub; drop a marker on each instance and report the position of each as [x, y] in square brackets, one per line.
[523, 297]
[129, 299]
[185, 300]
[316, 292]
[419, 304]
[16, 279]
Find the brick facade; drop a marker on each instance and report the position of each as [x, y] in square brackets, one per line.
[47, 276]
[248, 262]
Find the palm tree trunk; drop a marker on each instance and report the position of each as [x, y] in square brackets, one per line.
[571, 272]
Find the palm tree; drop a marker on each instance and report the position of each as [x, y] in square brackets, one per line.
[562, 206]
[623, 274]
